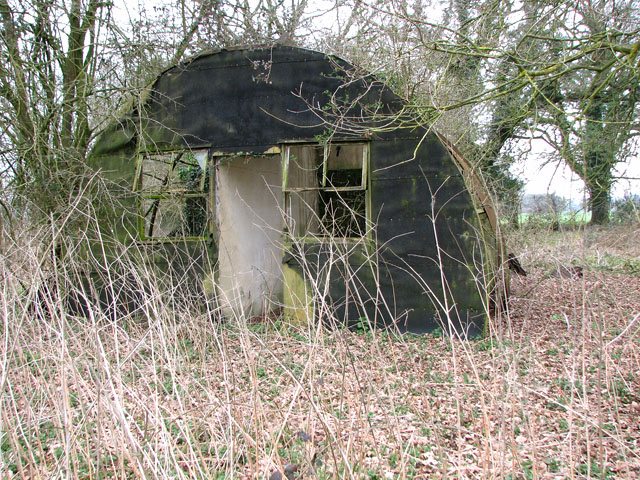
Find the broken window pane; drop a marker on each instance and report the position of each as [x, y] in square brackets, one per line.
[175, 217]
[325, 190]
[344, 166]
[174, 188]
[342, 213]
[173, 171]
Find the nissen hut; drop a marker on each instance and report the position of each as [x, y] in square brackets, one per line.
[281, 181]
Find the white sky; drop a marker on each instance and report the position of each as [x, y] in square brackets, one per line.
[559, 179]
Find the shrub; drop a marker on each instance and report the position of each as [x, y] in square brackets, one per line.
[626, 209]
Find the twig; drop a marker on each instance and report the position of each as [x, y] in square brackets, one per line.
[625, 330]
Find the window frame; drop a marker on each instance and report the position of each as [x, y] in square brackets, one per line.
[169, 193]
[364, 187]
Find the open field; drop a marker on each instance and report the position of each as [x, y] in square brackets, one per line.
[552, 392]
[535, 219]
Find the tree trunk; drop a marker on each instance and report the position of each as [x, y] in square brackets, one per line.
[600, 203]
[599, 162]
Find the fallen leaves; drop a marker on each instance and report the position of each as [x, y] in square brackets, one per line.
[552, 392]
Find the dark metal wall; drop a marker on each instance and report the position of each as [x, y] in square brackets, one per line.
[424, 253]
[251, 99]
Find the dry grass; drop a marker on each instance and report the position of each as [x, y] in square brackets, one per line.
[553, 392]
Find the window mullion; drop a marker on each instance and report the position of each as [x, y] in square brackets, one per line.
[325, 162]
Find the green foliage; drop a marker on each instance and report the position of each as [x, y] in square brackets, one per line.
[363, 325]
[549, 221]
[594, 468]
[614, 263]
[626, 209]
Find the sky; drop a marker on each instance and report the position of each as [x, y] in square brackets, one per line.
[559, 179]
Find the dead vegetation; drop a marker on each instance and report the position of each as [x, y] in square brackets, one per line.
[552, 392]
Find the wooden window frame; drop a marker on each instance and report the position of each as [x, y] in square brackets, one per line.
[159, 193]
[364, 187]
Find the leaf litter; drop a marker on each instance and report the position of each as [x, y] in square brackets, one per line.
[552, 392]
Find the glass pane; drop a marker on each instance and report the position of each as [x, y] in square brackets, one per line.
[175, 216]
[344, 165]
[174, 171]
[305, 164]
[345, 157]
[302, 208]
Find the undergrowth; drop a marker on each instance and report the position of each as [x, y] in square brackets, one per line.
[173, 391]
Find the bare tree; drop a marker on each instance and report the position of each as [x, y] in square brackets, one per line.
[51, 58]
[68, 66]
[495, 72]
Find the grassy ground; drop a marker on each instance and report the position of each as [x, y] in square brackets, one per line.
[552, 392]
[579, 217]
